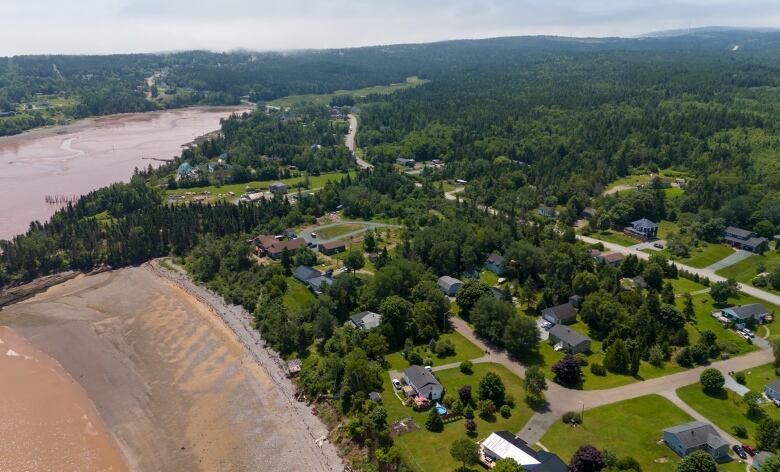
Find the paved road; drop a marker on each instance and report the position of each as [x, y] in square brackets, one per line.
[705, 272]
[738, 256]
[366, 225]
[350, 143]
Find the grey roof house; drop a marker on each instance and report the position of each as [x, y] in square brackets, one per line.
[495, 264]
[743, 239]
[423, 382]
[772, 390]
[449, 285]
[565, 314]
[366, 320]
[278, 187]
[643, 228]
[745, 313]
[569, 340]
[305, 273]
[696, 436]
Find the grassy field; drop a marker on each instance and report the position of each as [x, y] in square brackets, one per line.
[703, 305]
[706, 255]
[425, 451]
[325, 99]
[297, 297]
[744, 271]
[488, 277]
[632, 180]
[607, 427]
[317, 181]
[682, 285]
[336, 231]
[614, 237]
[673, 192]
[665, 228]
[725, 409]
[464, 350]
[757, 377]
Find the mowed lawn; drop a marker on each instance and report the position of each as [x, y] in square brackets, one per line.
[746, 270]
[325, 99]
[425, 451]
[628, 428]
[315, 181]
[298, 296]
[339, 230]
[464, 350]
[706, 254]
[614, 237]
[703, 306]
[682, 285]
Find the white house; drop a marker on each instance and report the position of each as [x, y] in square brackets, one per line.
[423, 382]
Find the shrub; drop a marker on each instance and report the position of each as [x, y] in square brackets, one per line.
[567, 371]
[572, 417]
[486, 408]
[427, 361]
[582, 359]
[465, 394]
[740, 378]
[712, 380]
[506, 412]
[415, 358]
[468, 412]
[598, 369]
[656, 356]
[739, 431]
[434, 422]
[759, 282]
[445, 348]
[509, 400]
[467, 367]
[471, 426]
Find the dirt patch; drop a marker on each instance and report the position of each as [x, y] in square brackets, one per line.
[171, 381]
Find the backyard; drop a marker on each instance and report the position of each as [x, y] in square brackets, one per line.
[703, 306]
[426, 451]
[464, 350]
[746, 270]
[606, 428]
[706, 255]
[614, 237]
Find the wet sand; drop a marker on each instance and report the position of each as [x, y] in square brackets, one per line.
[171, 382]
[89, 154]
[48, 422]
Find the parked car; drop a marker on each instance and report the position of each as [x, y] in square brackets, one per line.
[547, 325]
[749, 449]
[396, 383]
[429, 368]
[313, 234]
[748, 332]
[739, 451]
[658, 245]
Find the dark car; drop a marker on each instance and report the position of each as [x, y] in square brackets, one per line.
[739, 451]
[749, 449]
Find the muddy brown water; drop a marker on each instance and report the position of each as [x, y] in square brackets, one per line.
[89, 154]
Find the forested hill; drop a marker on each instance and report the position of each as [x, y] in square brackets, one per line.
[49, 89]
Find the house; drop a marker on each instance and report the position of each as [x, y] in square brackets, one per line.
[760, 459]
[319, 284]
[772, 390]
[576, 300]
[588, 213]
[643, 229]
[4, 114]
[741, 315]
[305, 273]
[366, 320]
[401, 161]
[611, 258]
[275, 249]
[505, 445]
[569, 340]
[423, 382]
[696, 436]
[332, 247]
[746, 240]
[449, 285]
[186, 171]
[278, 188]
[561, 314]
[546, 211]
[495, 264]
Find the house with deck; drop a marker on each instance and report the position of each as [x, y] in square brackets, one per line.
[643, 229]
[695, 436]
[423, 382]
[746, 314]
[568, 340]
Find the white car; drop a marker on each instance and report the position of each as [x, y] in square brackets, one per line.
[396, 383]
[429, 368]
[546, 325]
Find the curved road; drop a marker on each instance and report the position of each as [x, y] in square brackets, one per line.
[349, 141]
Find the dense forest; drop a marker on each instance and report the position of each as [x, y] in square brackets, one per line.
[526, 121]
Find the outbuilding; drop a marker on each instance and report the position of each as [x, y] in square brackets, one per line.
[449, 285]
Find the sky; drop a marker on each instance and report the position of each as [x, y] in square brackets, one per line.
[116, 26]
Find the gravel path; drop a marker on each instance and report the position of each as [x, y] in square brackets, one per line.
[312, 431]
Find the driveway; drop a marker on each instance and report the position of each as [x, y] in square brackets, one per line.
[349, 141]
[738, 256]
[649, 245]
[366, 225]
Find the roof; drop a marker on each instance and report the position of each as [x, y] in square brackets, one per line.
[375, 397]
[290, 244]
[696, 434]
[760, 458]
[278, 184]
[445, 281]
[366, 319]
[306, 273]
[753, 241]
[565, 312]
[644, 223]
[738, 232]
[774, 385]
[568, 335]
[316, 283]
[613, 257]
[422, 380]
[335, 244]
[748, 311]
[507, 446]
[495, 259]
[266, 240]
[549, 463]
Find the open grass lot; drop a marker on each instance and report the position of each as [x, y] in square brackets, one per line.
[632, 180]
[316, 181]
[725, 409]
[488, 277]
[703, 305]
[298, 296]
[464, 350]
[744, 271]
[614, 237]
[425, 451]
[665, 228]
[548, 357]
[337, 231]
[325, 99]
[628, 428]
[673, 192]
[706, 255]
[757, 377]
[682, 285]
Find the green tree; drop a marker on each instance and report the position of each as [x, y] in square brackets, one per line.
[617, 358]
[507, 465]
[354, 260]
[768, 435]
[752, 401]
[286, 261]
[433, 421]
[490, 318]
[698, 461]
[711, 380]
[722, 291]
[465, 451]
[468, 295]
[535, 383]
[491, 387]
[521, 336]
[369, 241]
[772, 464]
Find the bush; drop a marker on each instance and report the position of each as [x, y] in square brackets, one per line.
[427, 361]
[739, 431]
[468, 412]
[415, 358]
[572, 417]
[506, 412]
[598, 369]
[467, 367]
[712, 380]
[759, 282]
[582, 359]
[445, 348]
[434, 422]
[740, 378]
[486, 408]
[656, 356]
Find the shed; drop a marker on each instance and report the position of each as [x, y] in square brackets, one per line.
[375, 397]
[449, 285]
[366, 320]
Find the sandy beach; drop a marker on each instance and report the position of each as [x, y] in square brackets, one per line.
[72, 160]
[178, 377]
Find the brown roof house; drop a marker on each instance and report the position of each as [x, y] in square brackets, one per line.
[332, 247]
